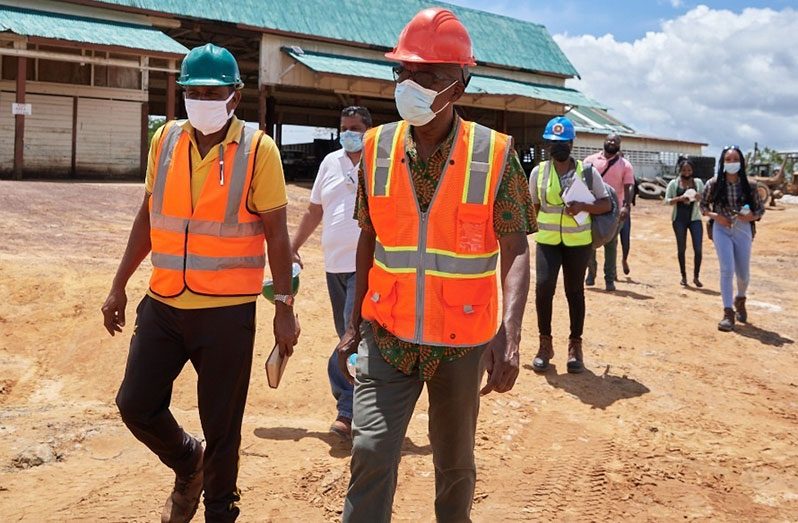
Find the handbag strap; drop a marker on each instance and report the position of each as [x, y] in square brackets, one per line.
[610, 164]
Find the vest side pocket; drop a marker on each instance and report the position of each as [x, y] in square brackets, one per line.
[472, 227]
[380, 298]
[469, 314]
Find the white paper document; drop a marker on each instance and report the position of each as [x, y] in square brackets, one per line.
[578, 192]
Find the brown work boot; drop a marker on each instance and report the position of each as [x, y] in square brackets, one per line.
[575, 362]
[739, 306]
[343, 427]
[182, 503]
[727, 323]
[545, 353]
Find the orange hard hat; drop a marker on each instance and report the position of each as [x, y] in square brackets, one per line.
[434, 36]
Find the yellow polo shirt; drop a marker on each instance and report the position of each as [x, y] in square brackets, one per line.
[267, 193]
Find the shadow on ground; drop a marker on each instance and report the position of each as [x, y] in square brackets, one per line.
[339, 448]
[622, 293]
[766, 337]
[598, 391]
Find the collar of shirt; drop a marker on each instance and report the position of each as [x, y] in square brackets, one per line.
[443, 147]
[233, 135]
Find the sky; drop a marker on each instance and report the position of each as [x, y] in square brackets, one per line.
[724, 73]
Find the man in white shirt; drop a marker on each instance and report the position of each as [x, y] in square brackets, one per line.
[332, 203]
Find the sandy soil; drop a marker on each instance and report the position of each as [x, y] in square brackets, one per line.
[673, 421]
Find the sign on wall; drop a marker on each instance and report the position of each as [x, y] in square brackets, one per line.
[21, 109]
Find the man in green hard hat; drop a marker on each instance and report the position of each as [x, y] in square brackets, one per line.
[214, 192]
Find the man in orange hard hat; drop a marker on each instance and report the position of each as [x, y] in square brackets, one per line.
[439, 199]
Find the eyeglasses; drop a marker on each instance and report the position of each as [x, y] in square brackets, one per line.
[422, 78]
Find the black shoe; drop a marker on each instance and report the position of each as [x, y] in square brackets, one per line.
[683, 282]
[727, 323]
[739, 305]
[626, 267]
[609, 286]
[590, 280]
[697, 282]
[575, 360]
[545, 353]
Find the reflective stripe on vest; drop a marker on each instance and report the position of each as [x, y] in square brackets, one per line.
[478, 167]
[554, 225]
[172, 272]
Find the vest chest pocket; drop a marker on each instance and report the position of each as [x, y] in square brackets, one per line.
[469, 315]
[382, 211]
[472, 227]
[380, 298]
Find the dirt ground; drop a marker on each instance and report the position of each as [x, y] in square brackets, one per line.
[672, 421]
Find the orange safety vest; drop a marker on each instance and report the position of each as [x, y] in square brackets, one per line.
[433, 280]
[217, 247]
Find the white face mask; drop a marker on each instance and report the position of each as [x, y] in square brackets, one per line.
[414, 102]
[208, 116]
[732, 167]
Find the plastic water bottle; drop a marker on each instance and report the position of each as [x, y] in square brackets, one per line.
[351, 364]
[745, 210]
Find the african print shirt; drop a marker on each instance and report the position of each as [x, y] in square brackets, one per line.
[513, 212]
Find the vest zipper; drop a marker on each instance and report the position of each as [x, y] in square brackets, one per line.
[420, 274]
[185, 258]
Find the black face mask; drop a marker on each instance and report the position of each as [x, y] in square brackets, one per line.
[611, 149]
[560, 151]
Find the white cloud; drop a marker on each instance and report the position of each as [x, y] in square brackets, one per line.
[708, 75]
[676, 4]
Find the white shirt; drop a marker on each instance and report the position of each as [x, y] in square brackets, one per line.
[335, 190]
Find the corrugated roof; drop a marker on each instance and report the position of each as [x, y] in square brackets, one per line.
[27, 22]
[597, 121]
[490, 85]
[497, 39]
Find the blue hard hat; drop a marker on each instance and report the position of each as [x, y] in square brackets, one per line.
[559, 129]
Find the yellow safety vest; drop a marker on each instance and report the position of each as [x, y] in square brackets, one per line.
[554, 226]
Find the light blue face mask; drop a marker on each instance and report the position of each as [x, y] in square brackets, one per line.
[351, 141]
[414, 102]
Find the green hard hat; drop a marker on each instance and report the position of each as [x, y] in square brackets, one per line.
[209, 65]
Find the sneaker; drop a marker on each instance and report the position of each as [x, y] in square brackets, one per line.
[590, 280]
[545, 353]
[575, 361]
[727, 323]
[182, 503]
[343, 427]
[683, 281]
[609, 286]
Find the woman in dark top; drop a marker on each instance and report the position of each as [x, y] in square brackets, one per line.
[684, 194]
[734, 206]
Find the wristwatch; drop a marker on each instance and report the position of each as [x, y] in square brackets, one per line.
[285, 298]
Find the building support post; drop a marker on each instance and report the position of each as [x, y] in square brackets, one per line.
[19, 120]
[271, 115]
[170, 93]
[262, 94]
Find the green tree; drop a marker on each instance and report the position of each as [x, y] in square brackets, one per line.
[153, 124]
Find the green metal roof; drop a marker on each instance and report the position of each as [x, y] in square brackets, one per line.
[479, 84]
[597, 121]
[27, 22]
[497, 39]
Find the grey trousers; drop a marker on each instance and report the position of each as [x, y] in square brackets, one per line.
[383, 405]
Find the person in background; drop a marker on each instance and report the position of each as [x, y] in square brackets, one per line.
[686, 216]
[332, 203]
[734, 206]
[625, 234]
[617, 172]
[561, 240]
